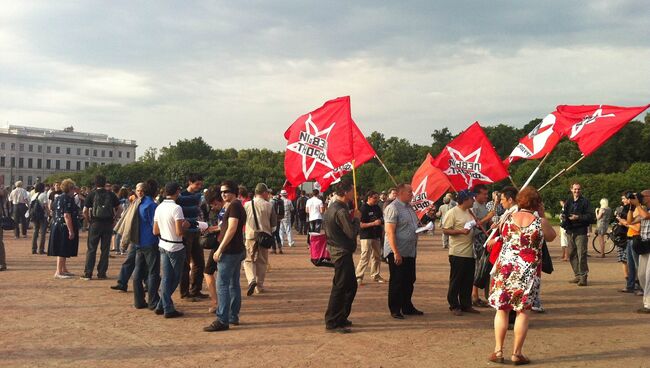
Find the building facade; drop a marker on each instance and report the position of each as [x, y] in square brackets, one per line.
[32, 154]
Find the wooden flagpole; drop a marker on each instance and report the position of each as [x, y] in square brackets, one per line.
[385, 168]
[532, 175]
[354, 184]
[563, 171]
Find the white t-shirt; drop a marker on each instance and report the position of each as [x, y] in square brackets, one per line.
[314, 207]
[42, 197]
[166, 215]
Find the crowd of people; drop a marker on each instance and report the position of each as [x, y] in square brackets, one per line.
[496, 244]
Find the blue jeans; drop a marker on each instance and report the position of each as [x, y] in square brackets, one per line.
[632, 265]
[128, 267]
[147, 261]
[172, 264]
[228, 289]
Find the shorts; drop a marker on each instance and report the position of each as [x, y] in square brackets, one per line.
[210, 264]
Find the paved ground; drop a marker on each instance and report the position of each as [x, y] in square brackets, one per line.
[75, 323]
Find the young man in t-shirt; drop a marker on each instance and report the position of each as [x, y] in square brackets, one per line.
[229, 255]
[190, 202]
[370, 234]
[169, 224]
[100, 209]
[456, 224]
[315, 209]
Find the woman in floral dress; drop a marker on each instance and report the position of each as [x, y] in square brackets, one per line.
[516, 274]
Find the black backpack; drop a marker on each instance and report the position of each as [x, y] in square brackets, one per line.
[36, 210]
[103, 205]
[279, 208]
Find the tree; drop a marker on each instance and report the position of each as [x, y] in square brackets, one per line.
[186, 149]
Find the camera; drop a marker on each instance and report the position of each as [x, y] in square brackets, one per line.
[632, 195]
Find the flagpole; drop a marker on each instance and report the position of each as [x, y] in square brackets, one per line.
[532, 175]
[563, 171]
[354, 184]
[513, 182]
[385, 168]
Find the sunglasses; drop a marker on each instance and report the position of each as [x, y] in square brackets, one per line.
[227, 191]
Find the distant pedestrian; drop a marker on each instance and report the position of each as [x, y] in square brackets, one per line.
[64, 231]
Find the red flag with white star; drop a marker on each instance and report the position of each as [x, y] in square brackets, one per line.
[592, 125]
[540, 141]
[322, 144]
[429, 184]
[470, 159]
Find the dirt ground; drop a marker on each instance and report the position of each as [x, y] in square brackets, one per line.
[74, 323]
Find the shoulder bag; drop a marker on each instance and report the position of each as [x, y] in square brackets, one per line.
[262, 239]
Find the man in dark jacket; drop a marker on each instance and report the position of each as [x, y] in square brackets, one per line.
[341, 230]
[577, 215]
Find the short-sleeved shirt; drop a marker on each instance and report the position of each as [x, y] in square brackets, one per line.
[480, 211]
[166, 215]
[235, 210]
[406, 223]
[370, 214]
[314, 208]
[459, 245]
[91, 198]
[147, 211]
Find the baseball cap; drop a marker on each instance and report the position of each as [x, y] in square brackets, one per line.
[464, 195]
[261, 188]
[283, 192]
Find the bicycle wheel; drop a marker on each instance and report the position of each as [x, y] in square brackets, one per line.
[609, 244]
[595, 245]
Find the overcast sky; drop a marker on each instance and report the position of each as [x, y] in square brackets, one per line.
[238, 73]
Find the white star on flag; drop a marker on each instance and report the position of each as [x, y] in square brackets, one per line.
[301, 147]
[575, 129]
[468, 174]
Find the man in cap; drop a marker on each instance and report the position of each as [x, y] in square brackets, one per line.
[458, 224]
[257, 258]
[285, 223]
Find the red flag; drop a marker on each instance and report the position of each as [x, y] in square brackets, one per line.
[470, 159]
[291, 190]
[322, 144]
[592, 125]
[540, 141]
[429, 184]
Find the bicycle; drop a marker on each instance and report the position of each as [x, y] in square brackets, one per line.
[611, 238]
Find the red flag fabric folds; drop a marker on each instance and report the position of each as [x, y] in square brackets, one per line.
[291, 190]
[470, 159]
[322, 144]
[540, 141]
[590, 126]
[429, 184]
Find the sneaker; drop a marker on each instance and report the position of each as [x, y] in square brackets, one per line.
[174, 314]
[251, 288]
[338, 329]
[626, 290]
[216, 326]
[380, 280]
[359, 281]
[86, 277]
[538, 309]
[643, 310]
[101, 277]
[119, 287]
[575, 280]
[61, 276]
[583, 281]
[638, 293]
[457, 312]
[200, 295]
[480, 303]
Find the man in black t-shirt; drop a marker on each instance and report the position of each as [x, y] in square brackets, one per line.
[100, 210]
[372, 220]
[229, 255]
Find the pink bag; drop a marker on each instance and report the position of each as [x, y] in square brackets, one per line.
[320, 256]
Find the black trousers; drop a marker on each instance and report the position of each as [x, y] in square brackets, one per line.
[400, 285]
[19, 217]
[192, 277]
[99, 231]
[344, 289]
[38, 238]
[461, 278]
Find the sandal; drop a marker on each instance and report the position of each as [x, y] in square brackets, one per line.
[212, 309]
[496, 357]
[521, 359]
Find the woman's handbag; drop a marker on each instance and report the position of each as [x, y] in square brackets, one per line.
[7, 222]
[262, 239]
[547, 262]
[482, 274]
[209, 241]
[641, 246]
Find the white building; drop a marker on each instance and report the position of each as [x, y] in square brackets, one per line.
[32, 154]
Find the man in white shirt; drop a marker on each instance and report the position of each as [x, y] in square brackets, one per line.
[169, 224]
[315, 210]
[285, 223]
[40, 212]
[19, 199]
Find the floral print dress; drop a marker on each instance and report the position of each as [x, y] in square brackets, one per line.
[516, 274]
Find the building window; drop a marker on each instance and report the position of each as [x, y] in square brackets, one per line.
[58, 150]
[30, 148]
[49, 149]
[103, 153]
[78, 151]
[2, 145]
[128, 155]
[2, 161]
[119, 154]
[67, 165]
[87, 152]
[86, 164]
[57, 164]
[78, 165]
[39, 163]
[67, 151]
[13, 146]
[21, 162]
[48, 164]
[95, 153]
[13, 162]
[40, 149]
[22, 147]
[110, 153]
[20, 177]
[30, 163]
[29, 180]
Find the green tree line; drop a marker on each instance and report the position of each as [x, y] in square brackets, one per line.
[623, 163]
